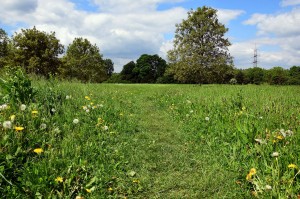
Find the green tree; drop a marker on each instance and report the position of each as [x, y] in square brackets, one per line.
[255, 75]
[294, 75]
[128, 73]
[36, 51]
[4, 41]
[200, 53]
[277, 75]
[84, 62]
[109, 67]
[150, 68]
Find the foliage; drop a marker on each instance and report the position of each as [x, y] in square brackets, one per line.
[84, 62]
[109, 67]
[147, 69]
[200, 49]
[4, 41]
[36, 51]
[17, 88]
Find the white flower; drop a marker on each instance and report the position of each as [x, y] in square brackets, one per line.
[68, 97]
[105, 128]
[87, 110]
[53, 110]
[207, 118]
[191, 111]
[7, 124]
[261, 117]
[43, 126]
[268, 187]
[275, 154]
[56, 130]
[100, 105]
[23, 107]
[75, 121]
[3, 107]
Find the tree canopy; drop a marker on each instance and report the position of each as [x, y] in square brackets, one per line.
[36, 51]
[4, 40]
[84, 62]
[200, 53]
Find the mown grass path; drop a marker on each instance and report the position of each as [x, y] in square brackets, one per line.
[170, 163]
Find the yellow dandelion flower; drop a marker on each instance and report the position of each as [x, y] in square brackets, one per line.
[19, 128]
[110, 189]
[292, 166]
[248, 177]
[88, 190]
[87, 98]
[59, 179]
[279, 137]
[136, 181]
[253, 171]
[38, 150]
[34, 112]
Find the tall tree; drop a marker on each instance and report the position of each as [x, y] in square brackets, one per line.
[127, 72]
[37, 51]
[84, 62]
[200, 53]
[109, 67]
[4, 40]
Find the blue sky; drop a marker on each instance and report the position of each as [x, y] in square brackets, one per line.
[126, 29]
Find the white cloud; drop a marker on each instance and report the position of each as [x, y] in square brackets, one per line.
[290, 2]
[284, 24]
[225, 15]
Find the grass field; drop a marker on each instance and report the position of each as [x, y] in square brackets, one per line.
[151, 141]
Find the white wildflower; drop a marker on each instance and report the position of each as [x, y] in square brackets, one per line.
[68, 97]
[7, 124]
[75, 121]
[87, 110]
[207, 118]
[23, 107]
[275, 154]
[43, 126]
[53, 110]
[105, 128]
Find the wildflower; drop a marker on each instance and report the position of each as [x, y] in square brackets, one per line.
[87, 98]
[7, 124]
[19, 128]
[260, 141]
[191, 111]
[34, 113]
[110, 189]
[100, 121]
[207, 118]
[84, 108]
[136, 181]
[3, 107]
[251, 173]
[105, 128]
[280, 137]
[43, 126]
[261, 117]
[79, 197]
[275, 154]
[56, 130]
[100, 105]
[53, 110]
[88, 190]
[87, 110]
[268, 187]
[292, 166]
[59, 179]
[121, 114]
[38, 150]
[243, 108]
[75, 121]
[23, 107]
[68, 97]
[12, 118]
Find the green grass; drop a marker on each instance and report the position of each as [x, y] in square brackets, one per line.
[162, 141]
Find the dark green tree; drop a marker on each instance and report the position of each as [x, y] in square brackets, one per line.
[84, 62]
[128, 73]
[36, 51]
[150, 68]
[4, 41]
[255, 75]
[109, 67]
[200, 53]
[277, 75]
[294, 75]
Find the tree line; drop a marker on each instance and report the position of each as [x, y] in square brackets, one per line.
[199, 56]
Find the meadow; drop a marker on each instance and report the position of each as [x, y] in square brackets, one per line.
[72, 140]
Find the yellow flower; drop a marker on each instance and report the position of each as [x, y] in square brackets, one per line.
[59, 179]
[279, 137]
[251, 173]
[34, 113]
[19, 128]
[12, 118]
[38, 150]
[136, 181]
[100, 121]
[88, 190]
[243, 108]
[292, 166]
[87, 98]
[110, 189]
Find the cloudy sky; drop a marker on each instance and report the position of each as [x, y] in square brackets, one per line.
[126, 29]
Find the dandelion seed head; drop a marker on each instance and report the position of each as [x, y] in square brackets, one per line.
[75, 121]
[23, 107]
[43, 126]
[207, 118]
[7, 124]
